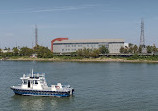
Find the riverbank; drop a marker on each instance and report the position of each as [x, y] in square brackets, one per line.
[83, 60]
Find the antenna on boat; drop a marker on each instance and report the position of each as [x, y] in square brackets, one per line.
[32, 72]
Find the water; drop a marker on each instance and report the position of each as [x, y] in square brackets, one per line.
[98, 86]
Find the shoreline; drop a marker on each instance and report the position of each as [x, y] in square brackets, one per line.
[83, 60]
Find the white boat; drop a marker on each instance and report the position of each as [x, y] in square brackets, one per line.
[35, 85]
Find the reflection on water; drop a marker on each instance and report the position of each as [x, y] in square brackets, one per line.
[33, 103]
[39, 103]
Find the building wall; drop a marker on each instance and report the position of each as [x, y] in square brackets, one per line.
[113, 47]
[66, 48]
[57, 39]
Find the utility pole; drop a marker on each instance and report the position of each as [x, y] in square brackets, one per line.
[142, 38]
[36, 36]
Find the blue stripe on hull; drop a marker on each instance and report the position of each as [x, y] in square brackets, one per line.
[41, 93]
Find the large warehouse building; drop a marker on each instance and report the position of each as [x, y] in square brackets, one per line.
[64, 45]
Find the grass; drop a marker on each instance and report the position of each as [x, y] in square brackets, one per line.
[67, 57]
[134, 58]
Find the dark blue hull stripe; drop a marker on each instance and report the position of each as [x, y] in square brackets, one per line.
[41, 93]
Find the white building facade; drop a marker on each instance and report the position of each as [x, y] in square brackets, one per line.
[68, 46]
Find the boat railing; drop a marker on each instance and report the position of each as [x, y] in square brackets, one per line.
[41, 75]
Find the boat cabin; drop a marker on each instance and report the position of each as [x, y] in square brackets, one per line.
[34, 81]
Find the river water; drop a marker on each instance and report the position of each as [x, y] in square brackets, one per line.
[110, 86]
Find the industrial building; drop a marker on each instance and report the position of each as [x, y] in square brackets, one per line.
[64, 45]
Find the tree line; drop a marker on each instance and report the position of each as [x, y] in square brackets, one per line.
[44, 52]
[134, 49]
[41, 51]
[86, 53]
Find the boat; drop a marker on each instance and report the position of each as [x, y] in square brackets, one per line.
[34, 84]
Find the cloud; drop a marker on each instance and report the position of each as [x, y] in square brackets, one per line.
[66, 8]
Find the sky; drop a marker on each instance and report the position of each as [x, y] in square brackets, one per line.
[76, 19]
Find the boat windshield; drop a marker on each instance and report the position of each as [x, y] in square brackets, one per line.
[24, 81]
[36, 82]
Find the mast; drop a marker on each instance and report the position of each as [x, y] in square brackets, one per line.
[32, 72]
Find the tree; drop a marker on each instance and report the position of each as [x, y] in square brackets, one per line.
[140, 49]
[122, 50]
[126, 50]
[135, 49]
[15, 51]
[25, 51]
[79, 52]
[130, 50]
[154, 49]
[149, 49]
[0, 52]
[7, 54]
[73, 54]
[103, 50]
[43, 52]
[86, 52]
[95, 53]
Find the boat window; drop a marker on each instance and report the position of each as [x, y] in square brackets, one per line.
[36, 82]
[25, 81]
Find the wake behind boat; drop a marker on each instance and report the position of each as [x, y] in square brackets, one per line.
[35, 85]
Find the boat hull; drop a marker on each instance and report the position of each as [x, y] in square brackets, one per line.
[41, 92]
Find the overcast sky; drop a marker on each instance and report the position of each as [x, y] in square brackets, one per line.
[76, 19]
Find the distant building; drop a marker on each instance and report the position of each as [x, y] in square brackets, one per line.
[33, 56]
[6, 50]
[63, 45]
